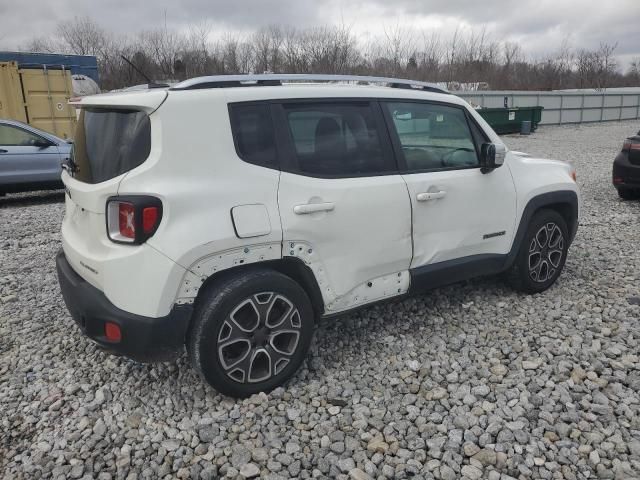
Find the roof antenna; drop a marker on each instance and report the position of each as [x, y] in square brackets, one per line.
[150, 83]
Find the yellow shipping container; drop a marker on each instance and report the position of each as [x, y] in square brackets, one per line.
[39, 97]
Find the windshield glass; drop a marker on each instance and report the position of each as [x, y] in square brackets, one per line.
[109, 143]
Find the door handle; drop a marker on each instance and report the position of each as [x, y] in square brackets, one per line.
[3, 151]
[313, 207]
[426, 196]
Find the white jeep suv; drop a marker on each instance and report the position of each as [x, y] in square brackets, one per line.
[230, 213]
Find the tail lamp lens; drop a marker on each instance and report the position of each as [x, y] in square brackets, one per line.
[629, 145]
[126, 220]
[150, 219]
[133, 219]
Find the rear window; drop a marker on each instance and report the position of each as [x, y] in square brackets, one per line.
[253, 134]
[109, 143]
[336, 139]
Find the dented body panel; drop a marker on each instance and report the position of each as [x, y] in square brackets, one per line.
[359, 236]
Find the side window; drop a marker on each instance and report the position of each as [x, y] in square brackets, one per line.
[432, 136]
[336, 139]
[479, 136]
[253, 134]
[16, 137]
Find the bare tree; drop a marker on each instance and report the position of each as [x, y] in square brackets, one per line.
[607, 65]
[82, 36]
[470, 57]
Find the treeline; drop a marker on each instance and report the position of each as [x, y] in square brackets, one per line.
[465, 57]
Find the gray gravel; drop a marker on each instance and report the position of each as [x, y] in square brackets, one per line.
[470, 381]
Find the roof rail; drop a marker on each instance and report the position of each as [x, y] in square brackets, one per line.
[271, 79]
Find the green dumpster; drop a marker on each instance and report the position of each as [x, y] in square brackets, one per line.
[509, 120]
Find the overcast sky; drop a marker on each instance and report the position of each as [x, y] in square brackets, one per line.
[539, 25]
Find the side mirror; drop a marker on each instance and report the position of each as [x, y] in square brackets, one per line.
[491, 156]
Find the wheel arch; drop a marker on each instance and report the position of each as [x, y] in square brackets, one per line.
[565, 202]
[292, 267]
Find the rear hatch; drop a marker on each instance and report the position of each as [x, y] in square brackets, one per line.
[113, 136]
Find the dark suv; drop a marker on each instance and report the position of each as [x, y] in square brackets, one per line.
[626, 169]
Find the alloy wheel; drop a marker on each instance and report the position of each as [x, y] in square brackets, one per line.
[259, 337]
[545, 252]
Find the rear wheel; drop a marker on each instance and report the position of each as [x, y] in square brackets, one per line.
[627, 193]
[542, 254]
[251, 332]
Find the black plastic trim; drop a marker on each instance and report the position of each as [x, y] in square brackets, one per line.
[144, 339]
[452, 271]
[560, 197]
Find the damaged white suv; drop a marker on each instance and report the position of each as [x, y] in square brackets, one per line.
[228, 214]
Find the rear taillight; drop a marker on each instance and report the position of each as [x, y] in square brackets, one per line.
[150, 216]
[133, 218]
[126, 220]
[630, 145]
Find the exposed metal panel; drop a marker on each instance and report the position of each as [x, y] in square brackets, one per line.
[525, 101]
[47, 94]
[612, 100]
[592, 101]
[11, 100]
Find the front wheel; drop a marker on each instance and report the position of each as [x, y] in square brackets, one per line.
[251, 332]
[542, 253]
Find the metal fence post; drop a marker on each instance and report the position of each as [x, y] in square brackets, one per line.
[582, 108]
[621, 104]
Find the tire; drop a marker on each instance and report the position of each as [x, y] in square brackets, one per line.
[531, 276]
[238, 344]
[627, 193]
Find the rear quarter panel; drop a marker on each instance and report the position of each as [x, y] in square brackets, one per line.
[199, 178]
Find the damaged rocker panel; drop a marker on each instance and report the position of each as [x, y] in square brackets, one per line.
[375, 289]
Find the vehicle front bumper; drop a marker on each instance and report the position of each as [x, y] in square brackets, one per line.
[625, 173]
[143, 339]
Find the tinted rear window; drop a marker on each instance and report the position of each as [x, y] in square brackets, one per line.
[109, 143]
[253, 134]
[336, 139]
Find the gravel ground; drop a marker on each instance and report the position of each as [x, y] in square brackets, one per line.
[470, 381]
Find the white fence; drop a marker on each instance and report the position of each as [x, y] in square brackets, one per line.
[564, 107]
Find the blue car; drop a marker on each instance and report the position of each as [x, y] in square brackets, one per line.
[30, 159]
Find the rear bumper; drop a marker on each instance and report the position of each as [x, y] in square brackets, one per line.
[625, 173]
[144, 339]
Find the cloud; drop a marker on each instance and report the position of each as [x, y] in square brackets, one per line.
[539, 25]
